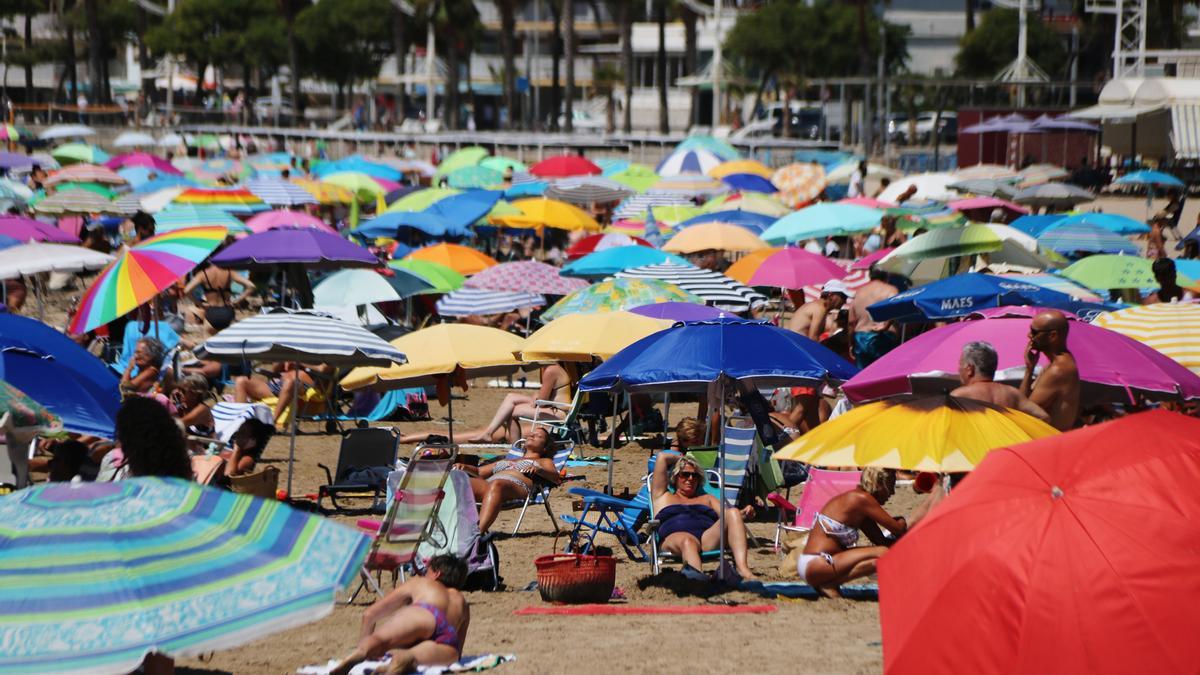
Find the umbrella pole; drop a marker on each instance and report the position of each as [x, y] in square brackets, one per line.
[37, 288]
[721, 479]
[292, 443]
[450, 412]
[612, 442]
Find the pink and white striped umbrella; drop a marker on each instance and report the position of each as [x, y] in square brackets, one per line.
[86, 173]
[271, 220]
[525, 276]
[854, 280]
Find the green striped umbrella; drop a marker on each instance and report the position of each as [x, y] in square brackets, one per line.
[959, 241]
[442, 278]
[469, 156]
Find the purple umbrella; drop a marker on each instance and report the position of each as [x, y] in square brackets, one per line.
[13, 160]
[679, 311]
[28, 229]
[314, 249]
[1111, 365]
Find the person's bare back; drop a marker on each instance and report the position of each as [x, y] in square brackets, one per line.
[870, 293]
[1057, 391]
[1002, 395]
[809, 320]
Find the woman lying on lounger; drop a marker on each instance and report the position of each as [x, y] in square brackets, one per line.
[689, 520]
[509, 479]
[830, 557]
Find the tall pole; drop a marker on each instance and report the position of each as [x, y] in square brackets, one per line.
[716, 65]
[1022, 51]
[883, 142]
[430, 54]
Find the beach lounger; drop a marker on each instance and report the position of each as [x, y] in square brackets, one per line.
[541, 488]
[603, 513]
[821, 486]
[361, 450]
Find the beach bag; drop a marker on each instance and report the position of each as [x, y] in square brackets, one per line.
[455, 530]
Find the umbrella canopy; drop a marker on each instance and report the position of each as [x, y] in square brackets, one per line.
[1070, 239]
[717, 146]
[745, 182]
[468, 156]
[985, 172]
[747, 201]
[865, 262]
[1150, 178]
[1041, 564]
[19, 412]
[66, 131]
[50, 368]
[689, 356]
[695, 161]
[141, 272]
[452, 216]
[325, 193]
[617, 294]
[981, 203]
[363, 186]
[461, 259]
[714, 236]
[962, 294]
[315, 249]
[794, 268]
[13, 160]
[279, 192]
[73, 153]
[985, 187]
[287, 335]
[607, 262]
[755, 222]
[357, 164]
[637, 206]
[695, 185]
[271, 220]
[143, 159]
[822, 220]
[133, 139]
[538, 212]
[799, 183]
[970, 240]
[193, 568]
[366, 287]
[420, 200]
[474, 177]
[1108, 272]
[1113, 222]
[639, 177]
[942, 434]
[679, 311]
[564, 166]
[712, 287]
[178, 216]
[1053, 194]
[526, 276]
[37, 257]
[236, 200]
[481, 302]
[442, 278]
[1171, 328]
[28, 229]
[593, 243]
[1037, 174]
[85, 173]
[934, 186]
[580, 337]
[588, 190]
[503, 164]
[741, 166]
[1110, 364]
[78, 201]
[926, 216]
[439, 351]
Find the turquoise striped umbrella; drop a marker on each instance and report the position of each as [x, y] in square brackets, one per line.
[179, 216]
[1074, 237]
[94, 576]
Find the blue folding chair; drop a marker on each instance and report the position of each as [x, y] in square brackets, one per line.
[610, 515]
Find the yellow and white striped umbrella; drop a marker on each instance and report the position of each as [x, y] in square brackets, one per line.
[1173, 329]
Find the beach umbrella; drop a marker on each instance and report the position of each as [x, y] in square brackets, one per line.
[503, 164]
[14, 191]
[822, 220]
[111, 572]
[1113, 222]
[745, 182]
[24, 415]
[1034, 225]
[985, 187]
[926, 216]
[865, 262]
[74, 153]
[1170, 328]
[402, 191]
[1110, 272]
[1037, 174]
[678, 311]
[85, 173]
[793, 269]
[133, 139]
[985, 172]
[962, 294]
[755, 202]
[1149, 178]
[799, 183]
[747, 265]
[234, 200]
[179, 216]
[462, 259]
[141, 272]
[1111, 366]
[588, 190]
[538, 212]
[741, 166]
[616, 294]
[144, 160]
[528, 276]
[1017, 312]
[325, 193]
[610, 261]
[696, 161]
[53, 370]
[96, 188]
[356, 164]
[1057, 282]
[468, 156]
[717, 146]
[1053, 194]
[281, 218]
[314, 249]
[934, 186]
[474, 177]
[279, 192]
[639, 177]
[989, 203]
[28, 229]
[637, 206]
[57, 131]
[1073, 238]
[712, 287]
[421, 199]
[9, 132]
[451, 216]
[602, 242]
[564, 166]
[365, 287]
[481, 302]
[755, 222]
[78, 202]
[1047, 525]
[940, 434]
[714, 236]
[360, 184]
[170, 140]
[442, 278]
[38, 257]
[695, 186]
[582, 337]
[970, 240]
[14, 160]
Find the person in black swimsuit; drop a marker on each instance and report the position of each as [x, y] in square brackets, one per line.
[688, 516]
[216, 309]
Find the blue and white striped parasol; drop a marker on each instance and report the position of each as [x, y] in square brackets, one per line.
[286, 335]
[714, 288]
[279, 192]
[480, 302]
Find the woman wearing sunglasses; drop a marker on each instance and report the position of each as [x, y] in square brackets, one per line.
[688, 515]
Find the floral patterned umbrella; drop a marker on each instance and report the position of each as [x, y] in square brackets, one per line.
[527, 276]
[617, 294]
[799, 183]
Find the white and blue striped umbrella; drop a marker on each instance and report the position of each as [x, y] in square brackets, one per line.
[714, 288]
[636, 206]
[1074, 237]
[480, 302]
[287, 335]
[588, 190]
[279, 192]
[696, 160]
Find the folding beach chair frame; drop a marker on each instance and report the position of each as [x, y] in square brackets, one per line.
[332, 488]
[617, 517]
[541, 487]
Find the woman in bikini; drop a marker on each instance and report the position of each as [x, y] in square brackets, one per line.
[688, 516]
[509, 479]
[830, 557]
[217, 307]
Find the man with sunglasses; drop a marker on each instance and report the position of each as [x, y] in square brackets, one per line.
[1057, 387]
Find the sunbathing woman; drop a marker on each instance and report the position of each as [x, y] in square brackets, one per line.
[423, 622]
[190, 398]
[506, 480]
[147, 358]
[688, 516]
[216, 309]
[830, 557]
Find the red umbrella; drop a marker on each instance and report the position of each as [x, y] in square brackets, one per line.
[1071, 554]
[599, 242]
[564, 166]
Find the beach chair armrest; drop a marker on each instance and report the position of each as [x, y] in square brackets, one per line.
[542, 403]
[601, 499]
[328, 474]
[573, 478]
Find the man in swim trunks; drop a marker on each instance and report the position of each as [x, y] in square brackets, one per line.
[422, 622]
[871, 339]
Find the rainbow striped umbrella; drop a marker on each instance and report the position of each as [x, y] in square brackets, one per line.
[95, 576]
[235, 200]
[141, 272]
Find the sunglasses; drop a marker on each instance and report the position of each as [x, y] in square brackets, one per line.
[1039, 331]
[689, 474]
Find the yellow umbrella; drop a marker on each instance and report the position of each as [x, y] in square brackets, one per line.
[579, 337]
[325, 193]
[741, 166]
[1171, 328]
[942, 434]
[462, 259]
[719, 236]
[755, 202]
[748, 264]
[540, 212]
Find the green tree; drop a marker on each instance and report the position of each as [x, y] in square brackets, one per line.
[345, 41]
[985, 51]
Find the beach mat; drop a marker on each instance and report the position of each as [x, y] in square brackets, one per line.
[623, 610]
[801, 590]
[463, 665]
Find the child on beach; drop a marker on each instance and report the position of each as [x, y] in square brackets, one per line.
[422, 622]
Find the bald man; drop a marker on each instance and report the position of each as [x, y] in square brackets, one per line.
[1057, 387]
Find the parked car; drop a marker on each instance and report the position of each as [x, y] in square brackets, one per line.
[806, 122]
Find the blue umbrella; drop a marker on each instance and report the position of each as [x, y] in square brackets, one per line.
[1151, 178]
[755, 222]
[618, 259]
[1034, 225]
[1073, 237]
[749, 182]
[162, 183]
[1110, 221]
[1193, 236]
[136, 175]
[451, 216]
[822, 220]
[54, 371]
[357, 163]
[962, 294]
[1188, 268]
[6, 241]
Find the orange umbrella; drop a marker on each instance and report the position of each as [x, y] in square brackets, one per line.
[717, 235]
[461, 259]
[745, 268]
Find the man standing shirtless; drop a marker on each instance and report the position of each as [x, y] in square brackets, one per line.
[976, 368]
[810, 320]
[1057, 388]
[870, 339]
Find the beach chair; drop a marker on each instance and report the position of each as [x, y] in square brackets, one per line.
[542, 488]
[411, 513]
[133, 332]
[603, 513]
[361, 450]
[821, 486]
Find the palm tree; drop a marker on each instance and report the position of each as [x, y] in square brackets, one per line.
[970, 15]
[689, 18]
[625, 12]
[400, 49]
[289, 9]
[96, 46]
[508, 28]
[568, 16]
[660, 67]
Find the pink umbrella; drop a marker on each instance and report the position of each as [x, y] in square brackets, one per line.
[27, 229]
[1017, 312]
[143, 159]
[387, 185]
[795, 268]
[1111, 366]
[525, 276]
[270, 220]
[975, 203]
[867, 202]
[865, 262]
